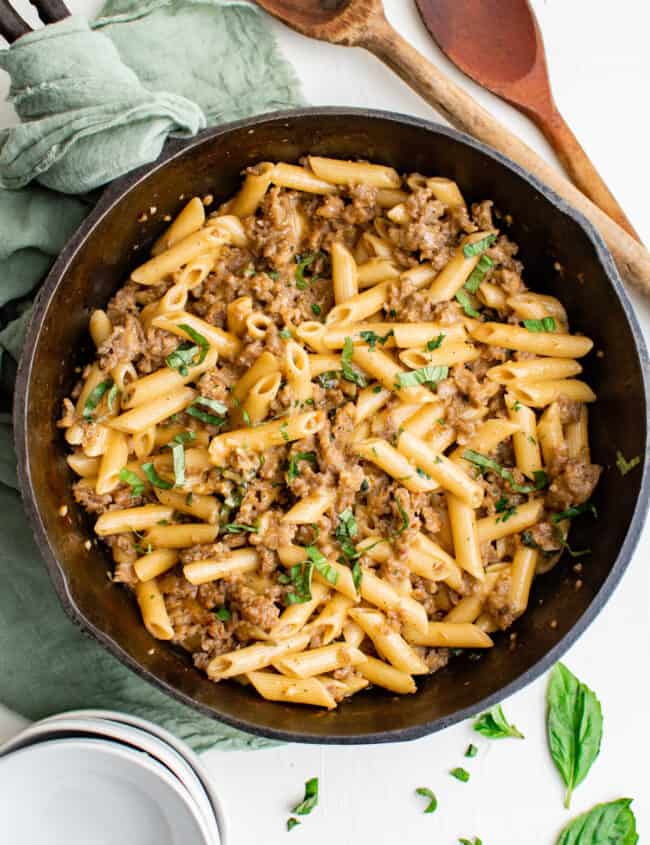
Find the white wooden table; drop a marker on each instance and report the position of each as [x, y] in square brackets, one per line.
[598, 61]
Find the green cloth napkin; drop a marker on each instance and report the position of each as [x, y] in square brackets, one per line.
[95, 101]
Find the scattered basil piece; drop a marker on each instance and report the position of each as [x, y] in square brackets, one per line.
[300, 575]
[223, 613]
[273, 274]
[494, 725]
[285, 334]
[316, 309]
[484, 464]
[304, 262]
[150, 471]
[182, 358]
[605, 824]
[625, 466]
[134, 481]
[203, 416]
[95, 397]
[425, 792]
[405, 521]
[349, 373]
[198, 338]
[284, 431]
[422, 473]
[460, 774]
[310, 800]
[475, 841]
[472, 751]
[113, 393]
[505, 509]
[576, 510]
[365, 486]
[574, 725]
[430, 376]
[178, 460]
[546, 324]
[291, 823]
[434, 344]
[372, 339]
[478, 247]
[477, 275]
[329, 379]
[463, 299]
[239, 528]
[319, 561]
[294, 470]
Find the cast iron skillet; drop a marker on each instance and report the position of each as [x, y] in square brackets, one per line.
[111, 242]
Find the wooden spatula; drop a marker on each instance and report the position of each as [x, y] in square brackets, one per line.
[499, 45]
[362, 23]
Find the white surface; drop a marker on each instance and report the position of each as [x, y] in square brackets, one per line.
[93, 792]
[598, 60]
[84, 727]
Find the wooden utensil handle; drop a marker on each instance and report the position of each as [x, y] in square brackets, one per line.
[463, 112]
[580, 167]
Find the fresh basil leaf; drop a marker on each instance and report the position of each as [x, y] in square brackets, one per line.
[546, 324]
[211, 419]
[304, 262]
[178, 461]
[541, 479]
[463, 299]
[477, 275]
[472, 751]
[430, 376]
[223, 613]
[605, 824]
[134, 481]
[425, 792]
[198, 338]
[405, 520]
[150, 471]
[184, 437]
[460, 774]
[372, 339]
[484, 464]
[291, 823]
[624, 466]
[574, 725]
[576, 510]
[316, 309]
[95, 397]
[321, 565]
[284, 431]
[475, 841]
[349, 373]
[434, 344]
[310, 800]
[300, 576]
[294, 470]
[113, 393]
[505, 509]
[182, 358]
[494, 725]
[478, 247]
[239, 528]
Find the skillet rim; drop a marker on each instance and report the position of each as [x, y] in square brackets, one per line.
[110, 198]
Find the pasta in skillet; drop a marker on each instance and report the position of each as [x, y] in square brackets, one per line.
[329, 435]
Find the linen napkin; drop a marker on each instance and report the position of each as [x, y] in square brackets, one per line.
[96, 100]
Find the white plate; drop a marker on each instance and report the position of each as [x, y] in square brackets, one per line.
[93, 792]
[131, 737]
[181, 747]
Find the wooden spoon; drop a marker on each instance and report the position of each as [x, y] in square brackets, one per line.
[499, 45]
[362, 23]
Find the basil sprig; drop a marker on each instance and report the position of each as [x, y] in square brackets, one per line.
[605, 824]
[494, 725]
[574, 726]
[95, 397]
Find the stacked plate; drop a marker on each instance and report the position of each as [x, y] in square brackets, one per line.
[95, 777]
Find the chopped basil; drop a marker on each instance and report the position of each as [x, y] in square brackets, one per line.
[610, 824]
[365, 486]
[576, 510]
[182, 358]
[376, 388]
[460, 774]
[546, 324]
[430, 376]
[504, 508]
[223, 613]
[283, 431]
[434, 344]
[294, 471]
[425, 792]
[479, 247]
[178, 460]
[113, 393]
[203, 416]
[472, 751]
[299, 576]
[485, 464]
[189, 499]
[184, 436]
[150, 471]
[304, 262]
[329, 379]
[372, 339]
[345, 532]
[540, 478]
[94, 398]
[392, 313]
[463, 299]
[422, 473]
[625, 466]
[134, 481]
[198, 338]
[494, 725]
[405, 520]
[574, 727]
[291, 823]
[316, 309]
[285, 334]
[349, 373]
[477, 275]
[517, 406]
[318, 559]
[475, 841]
[310, 801]
[239, 528]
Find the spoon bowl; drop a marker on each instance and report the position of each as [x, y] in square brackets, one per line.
[337, 21]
